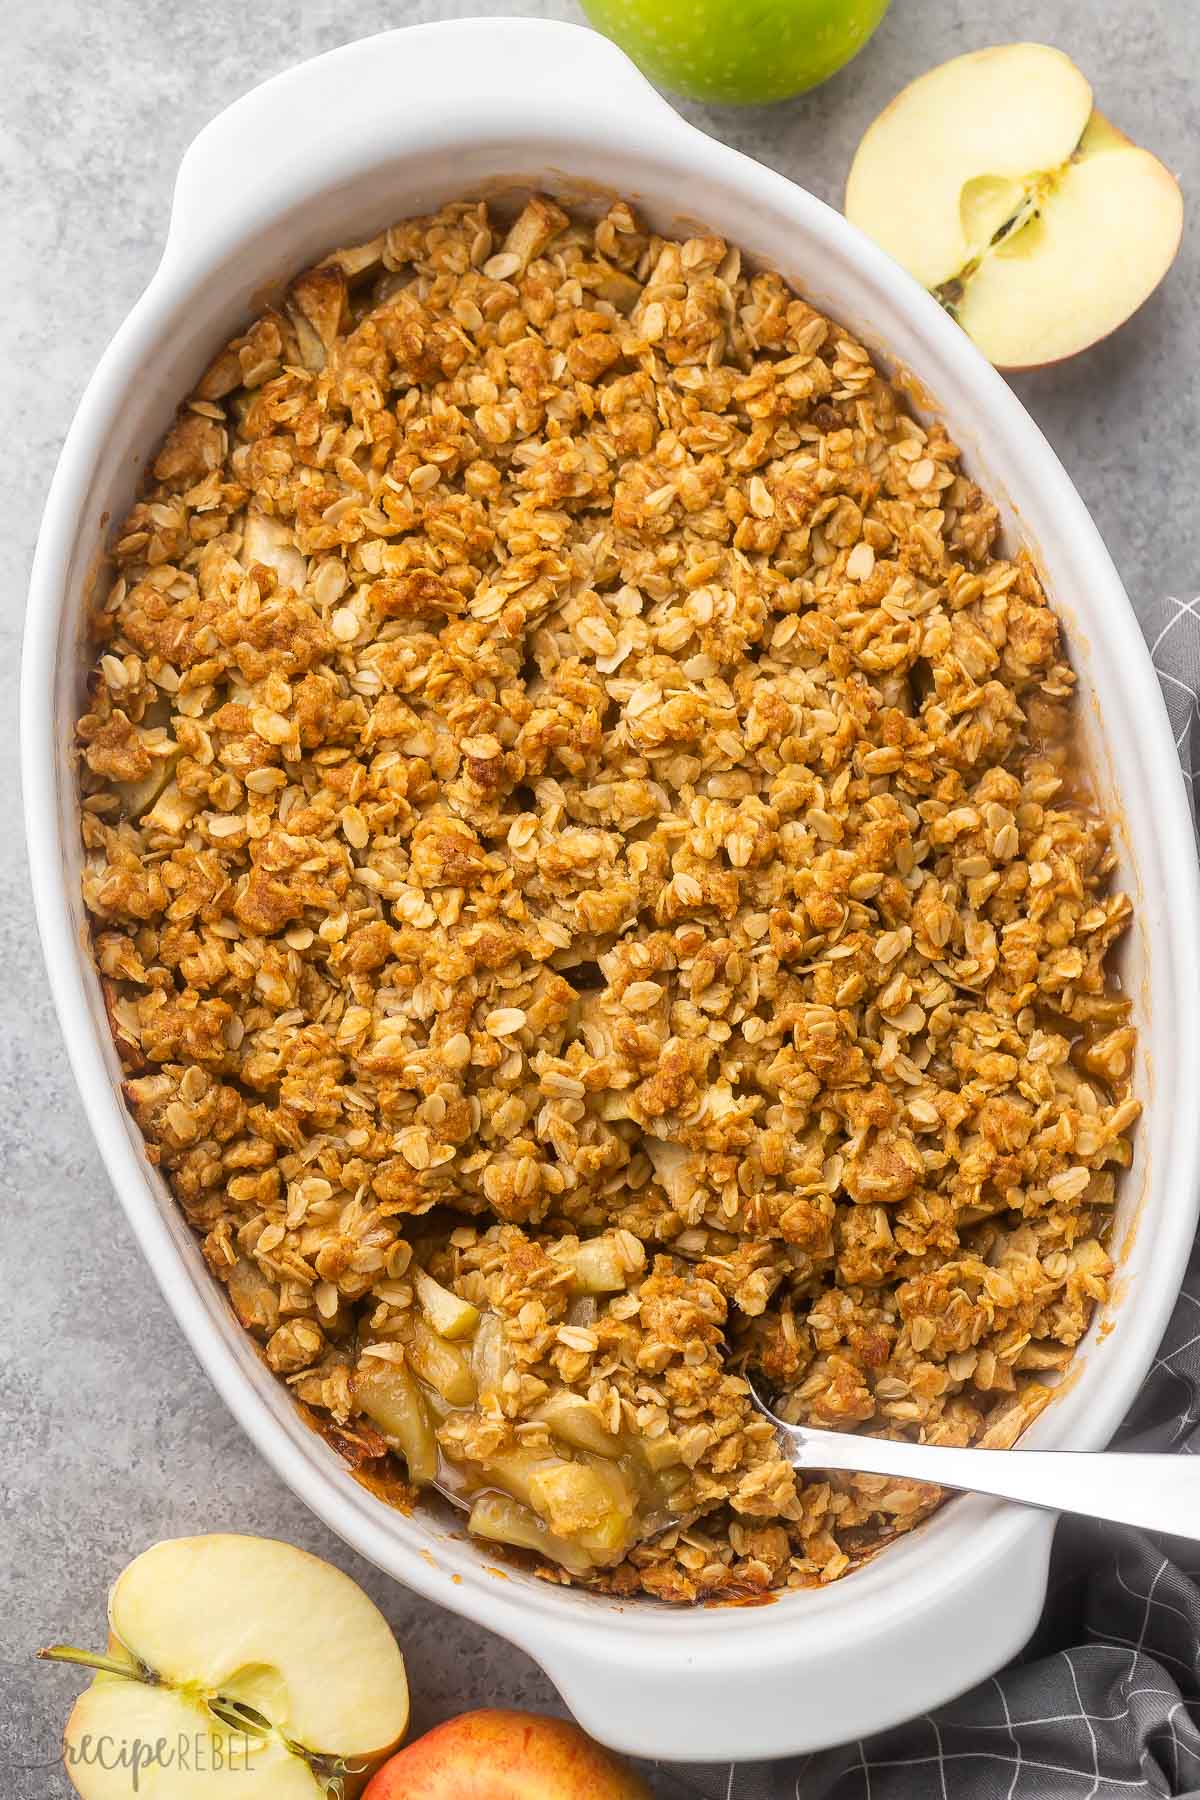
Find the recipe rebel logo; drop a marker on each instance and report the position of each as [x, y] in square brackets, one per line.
[198, 1752]
[195, 1752]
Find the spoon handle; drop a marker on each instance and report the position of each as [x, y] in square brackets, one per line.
[1160, 1493]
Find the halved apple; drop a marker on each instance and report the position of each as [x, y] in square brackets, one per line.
[1038, 225]
[264, 1671]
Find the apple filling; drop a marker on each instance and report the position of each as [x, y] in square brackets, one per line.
[566, 1484]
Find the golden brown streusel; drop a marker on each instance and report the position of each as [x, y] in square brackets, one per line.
[588, 897]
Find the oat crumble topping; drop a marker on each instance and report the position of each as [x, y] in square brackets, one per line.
[591, 900]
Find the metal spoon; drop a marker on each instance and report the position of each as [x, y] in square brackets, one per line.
[1160, 1493]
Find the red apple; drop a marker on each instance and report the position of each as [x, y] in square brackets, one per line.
[497, 1755]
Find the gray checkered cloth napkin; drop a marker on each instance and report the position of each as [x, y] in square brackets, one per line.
[1105, 1700]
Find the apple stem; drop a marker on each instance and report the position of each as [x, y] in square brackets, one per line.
[106, 1665]
[330, 1771]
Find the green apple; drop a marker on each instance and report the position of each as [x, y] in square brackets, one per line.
[744, 51]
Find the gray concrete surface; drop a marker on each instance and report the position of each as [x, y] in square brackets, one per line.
[111, 1435]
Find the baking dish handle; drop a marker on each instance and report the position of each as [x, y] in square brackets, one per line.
[401, 92]
[760, 1689]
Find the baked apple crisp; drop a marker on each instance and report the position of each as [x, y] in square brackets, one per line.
[595, 896]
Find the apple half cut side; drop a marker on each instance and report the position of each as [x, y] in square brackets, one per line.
[265, 1670]
[1037, 224]
[117, 1726]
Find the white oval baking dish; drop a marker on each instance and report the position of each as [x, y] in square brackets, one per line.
[326, 155]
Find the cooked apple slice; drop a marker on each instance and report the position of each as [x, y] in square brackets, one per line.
[506, 1521]
[675, 1168]
[448, 1313]
[273, 1660]
[577, 1422]
[1038, 225]
[138, 796]
[595, 1266]
[389, 1396]
[172, 811]
[441, 1365]
[489, 1357]
[269, 541]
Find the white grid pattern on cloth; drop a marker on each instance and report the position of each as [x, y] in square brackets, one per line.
[1105, 1702]
[1172, 629]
